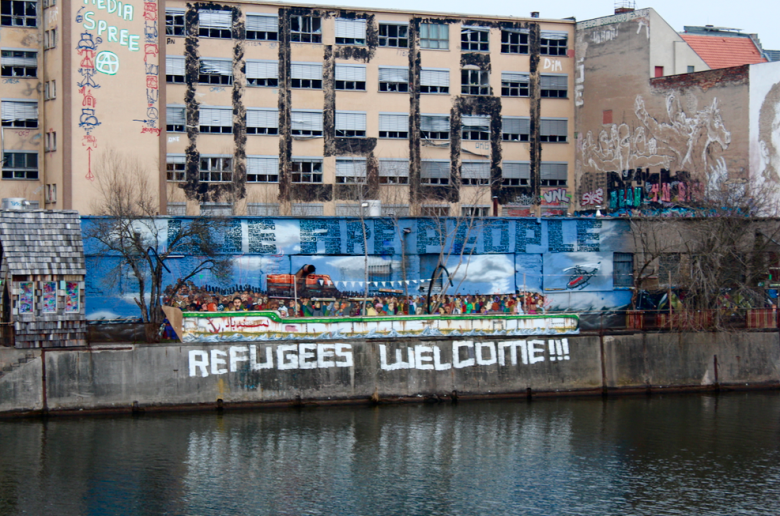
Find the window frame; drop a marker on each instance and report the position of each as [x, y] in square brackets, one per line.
[215, 32]
[469, 134]
[176, 168]
[26, 170]
[552, 182]
[7, 70]
[386, 177]
[261, 35]
[272, 81]
[468, 44]
[306, 34]
[393, 134]
[548, 48]
[434, 135]
[314, 175]
[434, 89]
[521, 179]
[522, 137]
[426, 40]
[210, 130]
[349, 84]
[553, 138]
[508, 46]
[305, 83]
[26, 123]
[509, 85]
[263, 131]
[172, 27]
[223, 175]
[252, 177]
[429, 179]
[314, 133]
[388, 39]
[349, 132]
[214, 79]
[544, 91]
[352, 179]
[469, 87]
[29, 20]
[339, 26]
[177, 78]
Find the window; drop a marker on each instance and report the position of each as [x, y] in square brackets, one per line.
[19, 13]
[18, 63]
[49, 3]
[395, 210]
[434, 35]
[350, 32]
[393, 35]
[516, 173]
[623, 270]
[216, 120]
[306, 123]
[177, 209]
[554, 130]
[215, 24]
[216, 169]
[306, 170]
[350, 124]
[216, 71]
[393, 125]
[476, 127]
[263, 27]
[393, 79]
[306, 29]
[49, 39]
[554, 86]
[606, 116]
[475, 173]
[515, 129]
[691, 69]
[175, 168]
[474, 211]
[514, 41]
[394, 171]
[434, 81]
[435, 210]
[435, 172]
[214, 209]
[348, 210]
[350, 170]
[307, 210]
[261, 209]
[474, 39]
[51, 141]
[262, 74]
[20, 165]
[515, 84]
[435, 127]
[17, 113]
[350, 77]
[474, 82]
[306, 75]
[174, 69]
[262, 169]
[553, 43]
[175, 119]
[50, 194]
[50, 90]
[262, 121]
[659, 71]
[554, 174]
[174, 22]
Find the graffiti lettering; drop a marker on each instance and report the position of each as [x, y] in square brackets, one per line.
[554, 65]
[170, 41]
[11, 80]
[151, 130]
[593, 198]
[281, 357]
[558, 196]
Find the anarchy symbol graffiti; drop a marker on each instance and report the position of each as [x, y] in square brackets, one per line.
[107, 62]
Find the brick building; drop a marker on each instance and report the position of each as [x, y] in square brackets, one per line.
[267, 109]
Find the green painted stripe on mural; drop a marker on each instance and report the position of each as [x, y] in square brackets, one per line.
[330, 320]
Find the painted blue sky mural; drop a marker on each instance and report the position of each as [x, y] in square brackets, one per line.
[569, 260]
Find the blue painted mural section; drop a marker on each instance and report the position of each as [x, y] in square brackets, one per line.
[569, 261]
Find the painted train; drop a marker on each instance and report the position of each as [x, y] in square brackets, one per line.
[303, 283]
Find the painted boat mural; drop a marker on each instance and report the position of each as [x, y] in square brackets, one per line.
[270, 325]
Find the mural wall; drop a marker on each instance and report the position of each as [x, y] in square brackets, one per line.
[765, 122]
[569, 262]
[654, 144]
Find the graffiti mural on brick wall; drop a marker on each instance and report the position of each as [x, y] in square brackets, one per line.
[765, 122]
[679, 141]
[568, 264]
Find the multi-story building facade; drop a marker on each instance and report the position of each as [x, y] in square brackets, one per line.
[263, 109]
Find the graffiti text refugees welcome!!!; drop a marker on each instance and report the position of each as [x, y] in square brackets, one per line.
[422, 357]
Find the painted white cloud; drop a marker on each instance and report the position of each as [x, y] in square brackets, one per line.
[496, 269]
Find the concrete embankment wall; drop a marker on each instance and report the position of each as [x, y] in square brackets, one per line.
[119, 377]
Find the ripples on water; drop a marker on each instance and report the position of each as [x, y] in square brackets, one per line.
[657, 455]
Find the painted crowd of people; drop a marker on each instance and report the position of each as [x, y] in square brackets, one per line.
[191, 298]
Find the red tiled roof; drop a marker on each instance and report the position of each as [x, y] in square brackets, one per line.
[724, 52]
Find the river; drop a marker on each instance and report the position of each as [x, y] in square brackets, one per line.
[678, 454]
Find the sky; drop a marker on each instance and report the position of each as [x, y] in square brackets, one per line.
[752, 16]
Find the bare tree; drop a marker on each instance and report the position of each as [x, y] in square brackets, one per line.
[131, 230]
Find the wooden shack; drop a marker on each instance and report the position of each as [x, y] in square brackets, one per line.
[42, 273]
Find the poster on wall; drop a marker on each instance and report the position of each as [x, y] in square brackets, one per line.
[574, 272]
[49, 305]
[71, 297]
[26, 297]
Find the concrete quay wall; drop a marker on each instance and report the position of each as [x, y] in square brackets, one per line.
[167, 376]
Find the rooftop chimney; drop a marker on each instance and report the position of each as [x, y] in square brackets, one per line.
[534, 14]
[625, 6]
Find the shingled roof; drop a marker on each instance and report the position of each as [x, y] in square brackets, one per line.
[42, 242]
[723, 51]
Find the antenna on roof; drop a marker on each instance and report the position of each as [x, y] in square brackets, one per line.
[625, 6]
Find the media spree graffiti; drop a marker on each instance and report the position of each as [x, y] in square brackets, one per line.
[433, 357]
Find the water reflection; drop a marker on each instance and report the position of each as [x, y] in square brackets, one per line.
[657, 455]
